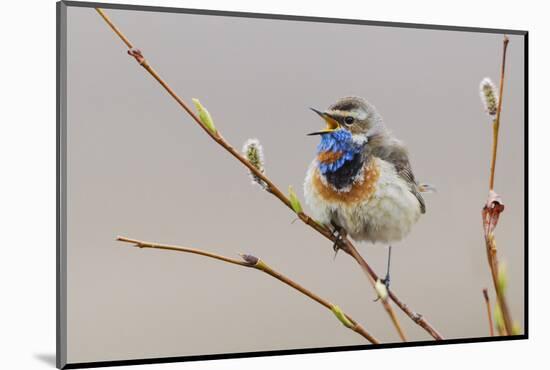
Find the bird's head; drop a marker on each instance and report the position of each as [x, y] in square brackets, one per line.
[354, 115]
[350, 123]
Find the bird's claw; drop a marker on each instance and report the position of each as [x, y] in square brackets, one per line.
[386, 282]
[337, 244]
[336, 247]
[339, 241]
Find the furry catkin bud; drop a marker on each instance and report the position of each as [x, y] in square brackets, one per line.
[381, 290]
[250, 259]
[488, 95]
[253, 151]
[255, 262]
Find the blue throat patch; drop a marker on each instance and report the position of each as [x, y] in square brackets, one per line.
[339, 141]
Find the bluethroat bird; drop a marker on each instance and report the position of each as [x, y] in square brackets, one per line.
[361, 182]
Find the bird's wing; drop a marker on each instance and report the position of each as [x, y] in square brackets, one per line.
[396, 153]
[406, 173]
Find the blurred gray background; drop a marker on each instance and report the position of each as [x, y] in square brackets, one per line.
[139, 167]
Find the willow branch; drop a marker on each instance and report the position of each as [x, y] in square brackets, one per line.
[489, 315]
[499, 289]
[494, 207]
[273, 189]
[250, 261]
[496, 122]
[383, 298]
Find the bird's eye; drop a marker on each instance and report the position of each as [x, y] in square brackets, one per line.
[349, 120]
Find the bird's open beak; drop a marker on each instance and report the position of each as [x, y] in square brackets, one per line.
[332, 124]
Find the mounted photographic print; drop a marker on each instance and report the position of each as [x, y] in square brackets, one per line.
[236, 184]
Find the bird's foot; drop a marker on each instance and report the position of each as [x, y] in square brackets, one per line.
[386, 282]
[340, 234]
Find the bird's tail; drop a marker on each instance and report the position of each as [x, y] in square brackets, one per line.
[427, 188]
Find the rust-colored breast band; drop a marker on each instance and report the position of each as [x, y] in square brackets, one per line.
[329, 157]
[360, 191]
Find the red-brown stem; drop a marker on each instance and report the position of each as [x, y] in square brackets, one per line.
[384, 300]
[270, 187]
[489, 315]
[356, 327]
[500, 294]
[490, 241]
[496, 122]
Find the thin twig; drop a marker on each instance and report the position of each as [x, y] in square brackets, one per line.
[355, 254]
[496, 122]
[258, 264]
[273, 189]
[489, 315]
[500, 294]
[494, 206]
[114, 28]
